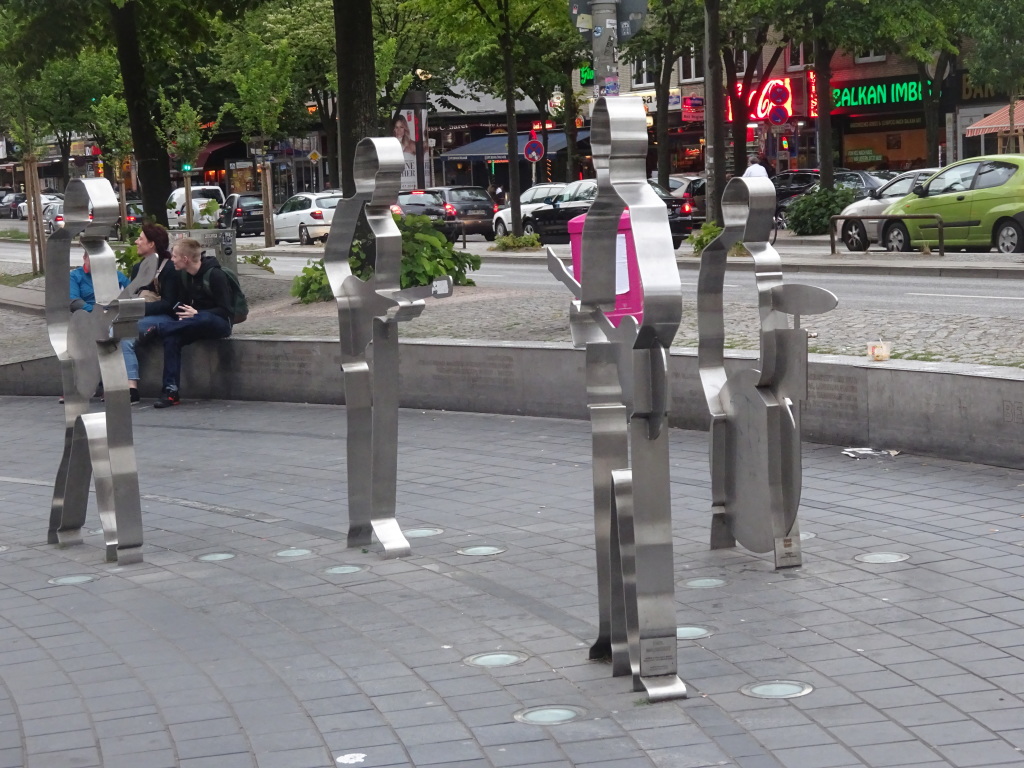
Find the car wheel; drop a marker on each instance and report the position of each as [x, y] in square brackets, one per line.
[324, 239]
[304, 238]
[489, 236]
[676, 242]
[22, 217]
[528, 228]
[1009, 237]
[897, 238]
[854, 235]
[238, 231]
[500, 230]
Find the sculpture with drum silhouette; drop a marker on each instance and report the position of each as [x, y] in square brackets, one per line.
[755, 412]
[628, 401]
[98, 445]
[368, 315]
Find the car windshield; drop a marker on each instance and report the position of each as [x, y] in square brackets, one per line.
[207, 194]
[420, 198]
[327, 202]
[248, 203]
[659, 189]
[469, 195]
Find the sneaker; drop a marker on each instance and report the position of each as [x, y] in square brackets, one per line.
[169, 398]
[134, 392]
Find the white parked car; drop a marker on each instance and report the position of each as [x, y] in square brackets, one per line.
[45, 200]
[201, 195]
[858, 234]
[306, 217]
[529, 201]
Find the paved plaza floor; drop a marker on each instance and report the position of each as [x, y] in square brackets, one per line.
[270, 659]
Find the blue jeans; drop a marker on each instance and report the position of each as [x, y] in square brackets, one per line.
[176, 334]
[131, 358]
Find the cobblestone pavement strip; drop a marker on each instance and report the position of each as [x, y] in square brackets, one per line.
[512, 314]
[265, 661]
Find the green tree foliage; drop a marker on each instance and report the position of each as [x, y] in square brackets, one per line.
[67, 91]
[673, 28]
[997, 29]
[157, 42]
[492, 28]
[827, 26]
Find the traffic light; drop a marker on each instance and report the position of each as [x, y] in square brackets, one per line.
[186, 166]
[784, 143]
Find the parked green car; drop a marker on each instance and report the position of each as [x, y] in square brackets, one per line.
[981, 201]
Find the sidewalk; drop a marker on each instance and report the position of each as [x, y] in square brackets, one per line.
[268, 659]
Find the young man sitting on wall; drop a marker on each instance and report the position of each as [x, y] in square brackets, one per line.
[203, 311]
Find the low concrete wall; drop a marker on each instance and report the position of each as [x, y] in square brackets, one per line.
[965, 412]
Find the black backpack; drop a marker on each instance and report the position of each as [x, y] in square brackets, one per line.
[239, 304]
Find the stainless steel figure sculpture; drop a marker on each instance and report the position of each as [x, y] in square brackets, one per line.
[368, 316]
[87, 345]
[627, 395]
[755, 412]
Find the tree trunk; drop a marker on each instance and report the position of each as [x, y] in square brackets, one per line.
[150, 155]
[512, 193]
[35, 243]
[823, 77]
[714, 110]
[932, 103]
[661, 119]
[189, 218]
[357, 81]
[570, 128]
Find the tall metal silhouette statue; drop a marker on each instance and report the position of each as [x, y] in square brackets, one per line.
[755, 412]
[97, 445]
[628, 400]
[368, 315]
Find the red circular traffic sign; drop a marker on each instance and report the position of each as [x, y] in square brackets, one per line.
[533, 151]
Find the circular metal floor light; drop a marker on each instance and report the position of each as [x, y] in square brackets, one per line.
[293, 552]
[214, 557]
[692, 633]
[422, 533]
[4, 547]
[777, 689]
[64, 581]
[554, 714]
[805, 535]
[343, 570]
[705, 582]
[496, 659]
[882, 557]
[483, 550]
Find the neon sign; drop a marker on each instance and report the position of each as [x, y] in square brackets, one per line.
[760, 102]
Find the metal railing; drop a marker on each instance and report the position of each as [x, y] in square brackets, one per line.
[882, 217]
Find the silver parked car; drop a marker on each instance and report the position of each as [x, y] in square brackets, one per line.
[858, 234]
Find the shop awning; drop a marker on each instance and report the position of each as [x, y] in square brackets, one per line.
[495, 146]
[998, 121]
[209, 149]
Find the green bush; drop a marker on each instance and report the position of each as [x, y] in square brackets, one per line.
[312, 284]
[513, 243]
[426, 254]
[127, 258]
[701, 238]
[809, 214]
[257, 259]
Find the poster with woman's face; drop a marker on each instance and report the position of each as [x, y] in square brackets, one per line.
[406, 126]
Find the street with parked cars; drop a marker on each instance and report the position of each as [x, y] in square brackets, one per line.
[551, 220]
[455, 210]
